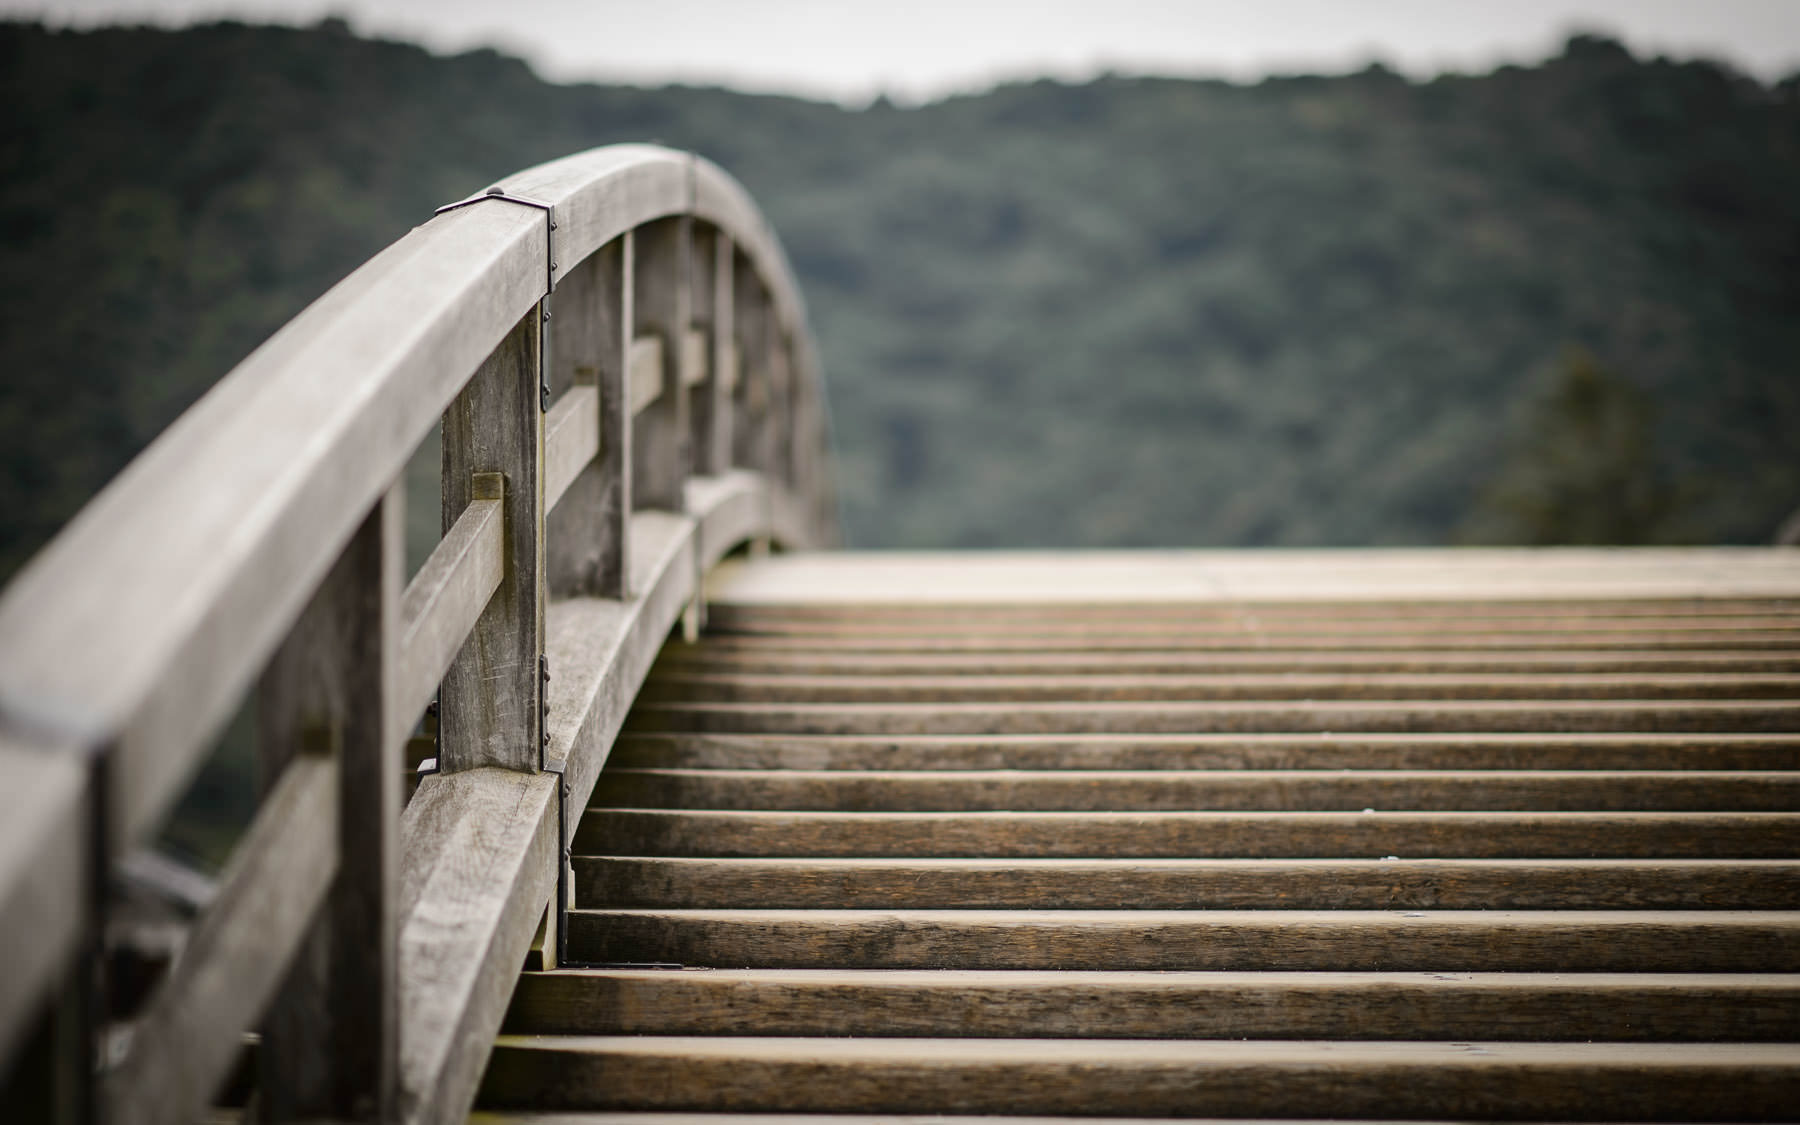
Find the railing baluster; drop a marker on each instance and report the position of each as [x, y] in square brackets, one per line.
[616, 308]
[488, 709]
[331, 1038]
[588, 347]
[660, 453]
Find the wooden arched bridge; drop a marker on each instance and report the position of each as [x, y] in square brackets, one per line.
[1367, 834]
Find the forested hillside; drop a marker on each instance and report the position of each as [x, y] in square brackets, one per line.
[1137, 311]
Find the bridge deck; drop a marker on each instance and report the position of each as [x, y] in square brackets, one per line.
[1333, 833]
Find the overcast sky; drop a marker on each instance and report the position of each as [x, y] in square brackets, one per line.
[918, 49]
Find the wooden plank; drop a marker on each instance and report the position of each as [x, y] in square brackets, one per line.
[1188, 884]
[1297, 716]
[1717, 941]
[646, 377]
[571, 440]
[1618, 1007]
[585, 534]
[446, 598]
[1176, 790]
[708, 657]
[331, 1037]
[750, 321]
[1105, 606]
[480, 848]
[46, 858]
[1549, 750]
[1256, 577]
[715, 261]
[237, 954]
[743, 687]
[488, 706]
[661, 453]
[1180, 641]
[696, 347]
[1479, 1080]
[1414, 835]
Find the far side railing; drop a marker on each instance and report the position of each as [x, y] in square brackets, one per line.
[618, 359]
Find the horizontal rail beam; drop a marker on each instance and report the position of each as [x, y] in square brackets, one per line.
[571, 440]
[645, 376]
[443, 601]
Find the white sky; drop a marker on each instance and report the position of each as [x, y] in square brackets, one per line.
[918, 49]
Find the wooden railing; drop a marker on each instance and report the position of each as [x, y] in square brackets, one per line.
[618, 355]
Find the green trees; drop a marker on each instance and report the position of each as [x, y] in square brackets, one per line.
[1581, 467]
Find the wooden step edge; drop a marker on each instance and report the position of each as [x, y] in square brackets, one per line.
[1221, 835]
[1343, 940]
[1297, 1078]
[1616, 1007]
[1445, 884]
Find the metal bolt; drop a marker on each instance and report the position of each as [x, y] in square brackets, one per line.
[567, 789]
[546, 314]
[546, 738]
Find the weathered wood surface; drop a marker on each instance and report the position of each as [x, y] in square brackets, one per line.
[714, 658]
[128, 643]
[1187, 884]
[1481, 1079]
[1201, 790]
[488, 706]
[1620, 1007]
[1482, 750]
[1286, 833]
[645, 372]
[571, 440]
[661, 442]
[331, 1036]
[446, 598]
[1780, 716]
[1424, 941]
[1081, 835]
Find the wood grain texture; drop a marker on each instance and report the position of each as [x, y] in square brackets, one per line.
[1169, 790]
[479, 848]
[1187, 884]
[1496, 640]
[741, 687]
[1424, 941]
[1077, 835]
[714, 658]
[1618, 1007]
[1487, 751]
[1480, 1079]
[488, 706]
[1296, 716]
[446, 598]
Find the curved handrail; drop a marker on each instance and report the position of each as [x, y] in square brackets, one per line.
[268, 512]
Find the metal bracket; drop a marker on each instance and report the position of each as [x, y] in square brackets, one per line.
[563, 838]
[549, 211]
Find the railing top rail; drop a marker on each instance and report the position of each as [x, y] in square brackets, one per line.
[138, 628]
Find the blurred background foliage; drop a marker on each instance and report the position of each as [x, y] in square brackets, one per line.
[1132, 312]
[1552, 304]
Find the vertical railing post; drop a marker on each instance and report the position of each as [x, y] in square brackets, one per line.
[488, 713]
[616, 306]
[660, 448]
[331, 1038]
[590, 345]
[714, 277]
